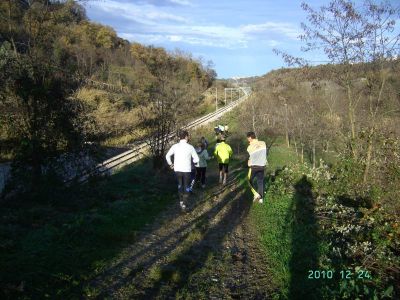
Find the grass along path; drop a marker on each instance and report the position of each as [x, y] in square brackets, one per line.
[48, 250]
[287, 230]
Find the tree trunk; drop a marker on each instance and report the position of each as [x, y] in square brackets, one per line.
[287, 139]
[374, 114]
[286, 126]
[302, 153]
[10, 28]
[369, 156]
[254, 119]
[313, 159]
[352, 121]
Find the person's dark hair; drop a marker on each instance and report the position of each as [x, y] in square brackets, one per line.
[183, 134]
[251, 134]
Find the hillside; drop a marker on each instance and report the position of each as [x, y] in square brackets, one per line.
[113, 79]
[70, 87]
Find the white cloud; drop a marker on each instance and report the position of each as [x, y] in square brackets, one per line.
[159, 15]
[143, 38]
[159, 25]
[182, 2]
[202, 40]
[175, 38]
[287, 29]
[272, 43]
[143, 13]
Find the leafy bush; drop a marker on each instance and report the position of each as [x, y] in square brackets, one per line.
[355, 231]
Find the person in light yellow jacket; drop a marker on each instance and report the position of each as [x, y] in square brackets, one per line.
[223, 152]
[257, 161]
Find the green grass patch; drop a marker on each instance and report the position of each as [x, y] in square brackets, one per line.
[275, 238]
[273, 223]
[279, 156]
[287, 228]
[50, 251]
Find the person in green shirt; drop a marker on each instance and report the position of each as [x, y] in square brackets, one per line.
[223, 152]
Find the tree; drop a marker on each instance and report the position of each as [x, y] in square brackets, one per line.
[360, 41]
[36, 95]
[172, 90]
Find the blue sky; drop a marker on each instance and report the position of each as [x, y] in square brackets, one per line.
[237, 35]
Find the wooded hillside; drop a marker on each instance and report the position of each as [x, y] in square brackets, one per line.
[68, 84]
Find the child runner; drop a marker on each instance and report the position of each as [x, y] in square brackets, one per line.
[201, 166]
[204, 141]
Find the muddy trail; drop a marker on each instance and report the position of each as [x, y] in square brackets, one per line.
[210, 252]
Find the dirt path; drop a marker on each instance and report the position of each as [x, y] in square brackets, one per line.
[209, 253]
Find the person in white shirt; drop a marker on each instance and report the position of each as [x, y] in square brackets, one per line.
[184, 154]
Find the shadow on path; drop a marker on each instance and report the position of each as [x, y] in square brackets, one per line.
[176, 273]
[305, 243]
[131, 272]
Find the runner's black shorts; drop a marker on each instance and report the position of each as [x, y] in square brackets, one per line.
[223, 166]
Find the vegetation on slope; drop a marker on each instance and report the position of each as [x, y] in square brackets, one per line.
[69, 85]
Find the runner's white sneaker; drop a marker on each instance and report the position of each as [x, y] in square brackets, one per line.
[256, 198]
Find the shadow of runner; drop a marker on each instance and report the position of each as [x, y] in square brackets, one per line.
[144, 258]
[176, 274]
[305, 246]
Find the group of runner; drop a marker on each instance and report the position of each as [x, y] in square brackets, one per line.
[190, 164]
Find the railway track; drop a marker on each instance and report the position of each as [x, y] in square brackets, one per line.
[138, 151]
[141, 148]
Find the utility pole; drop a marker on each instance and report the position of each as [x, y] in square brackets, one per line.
[286, 124]
[231, 95]
[216, 98]
[225, 95]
